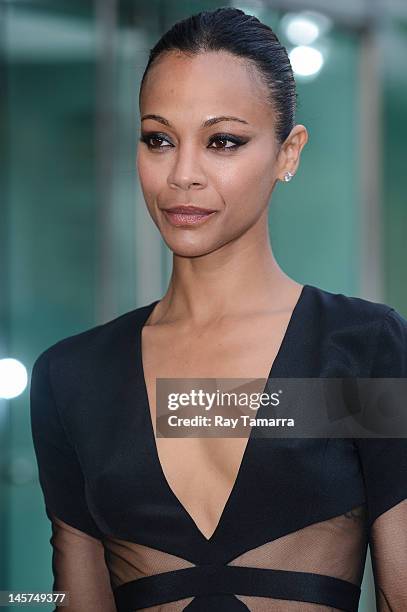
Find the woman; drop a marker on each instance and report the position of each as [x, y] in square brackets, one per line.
[218, 524]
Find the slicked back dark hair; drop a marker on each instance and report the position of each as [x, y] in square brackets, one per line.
[232, 30]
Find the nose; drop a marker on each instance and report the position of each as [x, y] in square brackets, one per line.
[186, 171]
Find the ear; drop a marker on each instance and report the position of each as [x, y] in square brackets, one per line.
[288, 157]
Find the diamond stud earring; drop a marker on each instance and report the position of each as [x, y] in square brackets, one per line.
[288, 176]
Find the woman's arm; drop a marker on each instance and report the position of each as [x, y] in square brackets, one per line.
[78, 561]
[79, 568]
[388, 546]
[384, 467]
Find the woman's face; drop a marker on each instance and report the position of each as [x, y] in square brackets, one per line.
[229, 166]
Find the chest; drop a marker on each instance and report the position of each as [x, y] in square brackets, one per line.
[201, 472]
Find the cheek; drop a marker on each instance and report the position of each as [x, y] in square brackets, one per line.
[149, 177]
[246, 183]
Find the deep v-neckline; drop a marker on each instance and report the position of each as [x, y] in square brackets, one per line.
[151, 440]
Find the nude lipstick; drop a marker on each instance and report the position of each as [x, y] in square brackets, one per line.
[181, 216]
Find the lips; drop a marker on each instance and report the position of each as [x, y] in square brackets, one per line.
[190, 210]
[188, 216]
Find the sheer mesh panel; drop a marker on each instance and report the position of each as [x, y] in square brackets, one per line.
[128, 561]
[80, 569]
[335, 547]
[389, 558]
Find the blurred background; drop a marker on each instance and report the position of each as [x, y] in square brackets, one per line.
[77, 246]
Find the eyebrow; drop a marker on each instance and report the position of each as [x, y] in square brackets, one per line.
[205, 124]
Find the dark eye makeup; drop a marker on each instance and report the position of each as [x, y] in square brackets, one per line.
[147, 137]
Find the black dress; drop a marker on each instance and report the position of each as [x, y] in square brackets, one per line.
[294, 531]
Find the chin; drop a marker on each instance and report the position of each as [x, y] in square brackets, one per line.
[189, 249]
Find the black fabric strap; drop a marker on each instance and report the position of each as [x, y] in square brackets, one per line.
[225, 579]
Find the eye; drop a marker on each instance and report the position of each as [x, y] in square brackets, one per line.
[147, 138]
[236, 142]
